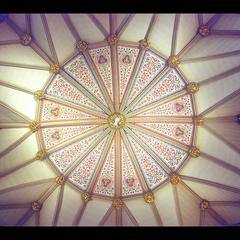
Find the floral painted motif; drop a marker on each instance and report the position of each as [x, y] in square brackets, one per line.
[152, 171]
[66, 156]
[181, 106]
[127, 57]
[60, 88]
[82, 175]
[169, 84]
[102, 59]
[52, 111]
[106, 181]
[79, 69]
[53, 136]
[171, 155]
[181, 132]
[150, 67]
[130, 181]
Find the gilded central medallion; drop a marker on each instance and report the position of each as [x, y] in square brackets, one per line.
[116, 121]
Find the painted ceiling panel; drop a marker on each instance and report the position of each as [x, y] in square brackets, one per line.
[125, 176]
[142, 25]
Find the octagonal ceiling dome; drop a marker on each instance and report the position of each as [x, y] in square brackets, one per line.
[119, 119]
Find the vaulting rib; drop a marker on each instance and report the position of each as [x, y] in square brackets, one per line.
[197, 37]
[177, 205]
[19, 65]
[98, 25]
[15, 144]
[210, 57]
[49, 38]
[74, 105]
[101, 162]
[89, 150]
[28, 23]
[220, 76]
[33, 45]
[125, 22]
[19, 114]
[87, 57]
[58, 206]
[114, 64]
[175, 34]
[211, 183]
[84, 91]
[79, 214]
[222, 138]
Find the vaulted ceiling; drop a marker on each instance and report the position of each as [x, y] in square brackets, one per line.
[119, 119]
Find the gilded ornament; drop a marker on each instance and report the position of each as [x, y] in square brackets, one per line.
[143, 44]
[41, 155]
[194, 152]
[117, 203]
[175, 179]
[60, 180]
[85, 197]
[204, 205]
[26, 39]
[116, 121]
[149, 197]
[36, 206]
[81, 46]
[39, 94]
[54, 68]
[192, 87]
[112, 39]
[34, 126]
[199, 121]
[204, 31]
[173, 61]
